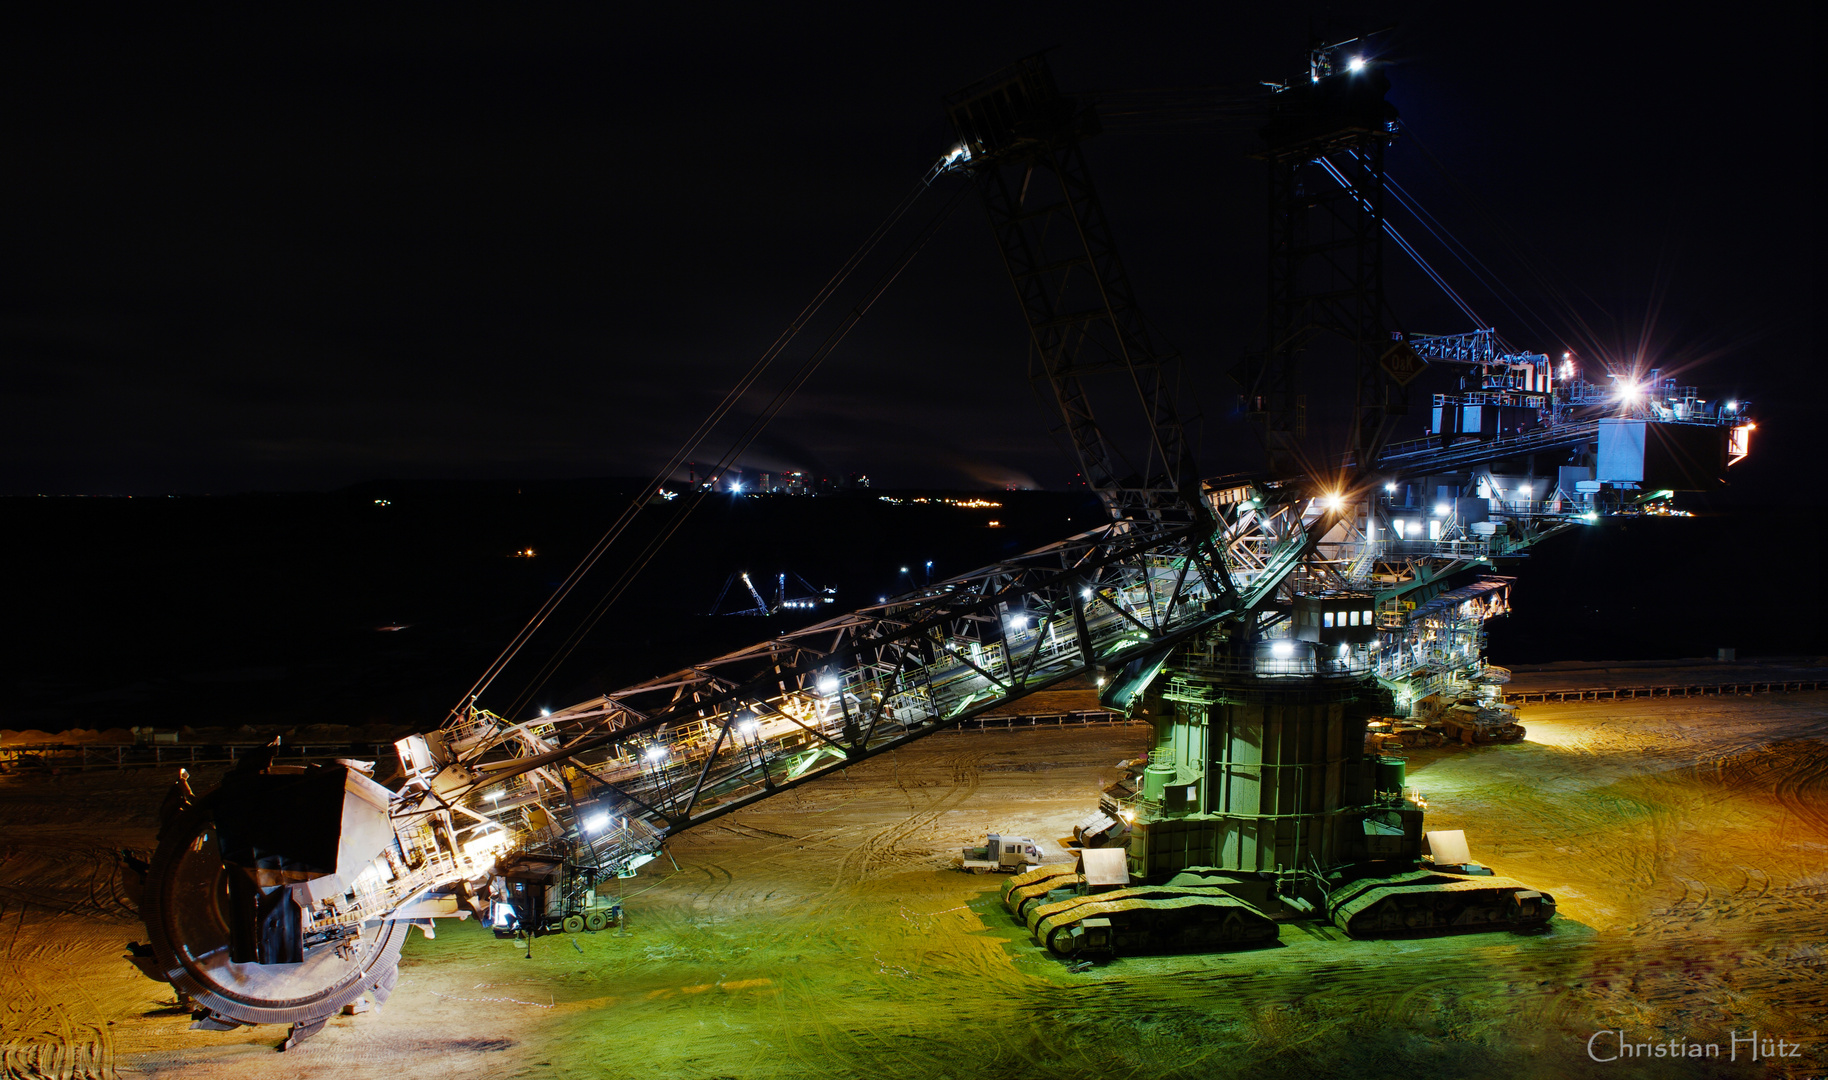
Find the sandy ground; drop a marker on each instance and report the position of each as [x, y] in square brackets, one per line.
[822, 934]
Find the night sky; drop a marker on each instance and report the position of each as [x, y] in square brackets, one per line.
[264, 255]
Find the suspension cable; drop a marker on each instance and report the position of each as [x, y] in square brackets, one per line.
[740, 445]
[687, 448]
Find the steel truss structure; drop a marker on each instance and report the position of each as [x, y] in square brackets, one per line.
[647, 761]
[1325, 263]
[1019, 140]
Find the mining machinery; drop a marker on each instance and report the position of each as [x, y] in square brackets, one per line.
[1260, 623]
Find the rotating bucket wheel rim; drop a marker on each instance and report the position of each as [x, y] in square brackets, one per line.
[179, 835]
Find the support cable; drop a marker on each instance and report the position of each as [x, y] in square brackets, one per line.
[741, 444]
[690, 445]
[1409, 249]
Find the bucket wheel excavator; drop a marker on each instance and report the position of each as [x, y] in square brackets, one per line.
[1259, 623]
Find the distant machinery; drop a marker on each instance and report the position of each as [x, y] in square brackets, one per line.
[803, 597]
[1262, 624]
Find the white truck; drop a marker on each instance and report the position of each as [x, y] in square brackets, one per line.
[1002, 854]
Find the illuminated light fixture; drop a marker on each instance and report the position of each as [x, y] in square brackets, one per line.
[1629, 391]
[1732, 406]
[828, 686]
[545, 712]
[486, 845]
[596, 822]
[904, 569]
[1357, 63]
[1282, 649]
[1331, 502]
[1085, 594]
[1589, 517]
[655, 753]
[1018, 622]
[493, 796]
[736, 489]
[1099, 680]
[747, 727]
[1391, 487]
[1440, 510]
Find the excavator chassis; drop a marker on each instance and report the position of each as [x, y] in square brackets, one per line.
[1428, 902]
[1131, 921]
[1142, 919]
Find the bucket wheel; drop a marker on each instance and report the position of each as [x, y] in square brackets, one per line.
[188, 917]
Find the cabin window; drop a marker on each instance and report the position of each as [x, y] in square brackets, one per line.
[1355, 618]
[1326, 619]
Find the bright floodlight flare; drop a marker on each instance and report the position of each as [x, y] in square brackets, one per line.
[1357, 63]
[545, 712]
[736, 489]
[1440, 510]
[1282, 649]
[1018, 622]
[596, 822]
[1332, 501]
[1391, 487]
[1629, 391]
[828, 685]
[655, 753]
[1732, 406]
